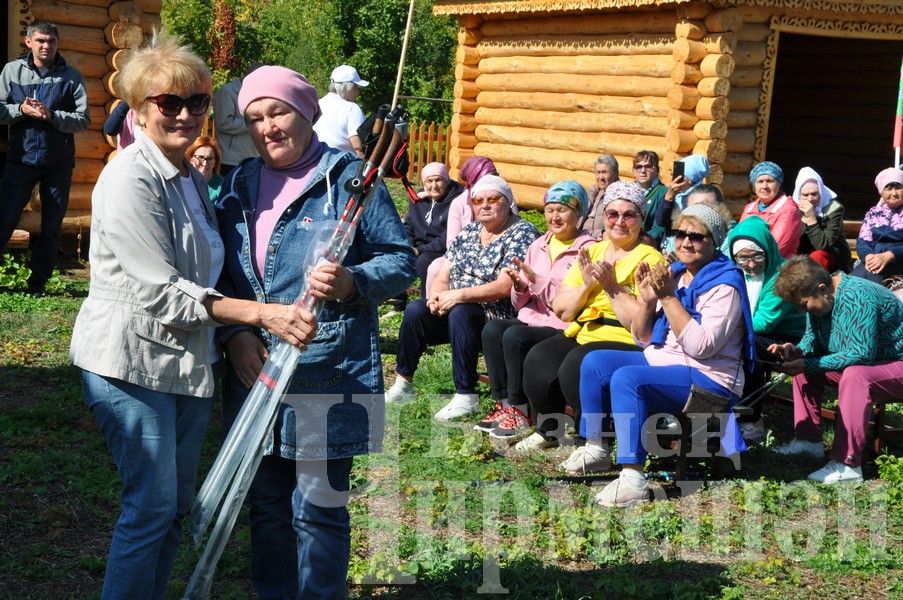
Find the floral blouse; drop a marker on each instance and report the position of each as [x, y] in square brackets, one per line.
[882, 230]
[474, 264]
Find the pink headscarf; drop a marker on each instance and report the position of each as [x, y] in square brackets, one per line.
[282, 84]
[888, 175]
[434, 168]
[474, 168]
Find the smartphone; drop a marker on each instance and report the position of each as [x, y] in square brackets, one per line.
[678, 170]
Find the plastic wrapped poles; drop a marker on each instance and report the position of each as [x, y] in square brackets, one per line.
[229, 479]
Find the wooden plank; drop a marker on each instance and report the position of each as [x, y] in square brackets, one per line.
[645, 66]
[632, 86]
[634, 44]
[563, 121]
[573, 102]
[613, 143]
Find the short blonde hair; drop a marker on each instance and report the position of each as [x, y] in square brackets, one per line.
[163, 66]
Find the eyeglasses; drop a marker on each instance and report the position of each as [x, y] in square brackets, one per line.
[630, 217]
[695, 238]
[203, 159]
[644, 167]
[171, 105]
[491, 201]
[758, 257]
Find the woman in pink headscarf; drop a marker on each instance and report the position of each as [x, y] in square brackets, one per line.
[427, 219]
[880, 241]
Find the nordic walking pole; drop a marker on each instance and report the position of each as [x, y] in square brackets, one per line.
[404, 53]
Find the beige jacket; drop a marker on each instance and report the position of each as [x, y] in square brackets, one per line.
[144, 321]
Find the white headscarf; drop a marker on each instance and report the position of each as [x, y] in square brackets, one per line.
[825, 193]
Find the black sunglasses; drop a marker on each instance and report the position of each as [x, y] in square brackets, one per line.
[171, 105]
[694, 237]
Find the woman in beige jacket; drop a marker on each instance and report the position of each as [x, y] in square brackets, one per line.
[144, 336]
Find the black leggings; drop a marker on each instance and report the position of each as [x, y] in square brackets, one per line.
[506, 343]
[552, 377]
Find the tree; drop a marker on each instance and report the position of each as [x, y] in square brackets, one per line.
[315, 37]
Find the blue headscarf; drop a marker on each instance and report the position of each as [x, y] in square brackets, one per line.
[696, 168]
[766, 167]
[720, 271]
[571, 194]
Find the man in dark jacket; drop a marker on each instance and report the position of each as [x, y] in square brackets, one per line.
[43, 100]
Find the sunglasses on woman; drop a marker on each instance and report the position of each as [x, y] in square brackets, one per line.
[695, 238]
[630, 217]
[491, 201]
[171, 105]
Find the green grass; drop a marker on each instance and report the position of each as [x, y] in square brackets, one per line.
[442, 512]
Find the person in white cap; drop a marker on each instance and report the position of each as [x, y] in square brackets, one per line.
[341, 117]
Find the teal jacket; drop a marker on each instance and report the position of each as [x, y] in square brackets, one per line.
[772, 316]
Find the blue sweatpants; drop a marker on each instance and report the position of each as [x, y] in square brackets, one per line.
[623, 385]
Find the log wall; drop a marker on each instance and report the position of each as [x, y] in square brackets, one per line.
[95, 36]
[543, 97]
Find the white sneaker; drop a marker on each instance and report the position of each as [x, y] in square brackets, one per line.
[752, 431]
[535, 441]
[460, 405]
[401, 392]
[587, 459]
[798, 447]
[629, 489]
[835, 472]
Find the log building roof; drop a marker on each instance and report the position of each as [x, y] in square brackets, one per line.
[467, 7]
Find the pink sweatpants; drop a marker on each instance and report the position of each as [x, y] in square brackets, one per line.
[858, 387]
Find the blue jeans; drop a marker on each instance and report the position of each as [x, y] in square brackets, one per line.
[300, 526]
[18, 182]
[155, 439]
[300, 529]
[623, 385]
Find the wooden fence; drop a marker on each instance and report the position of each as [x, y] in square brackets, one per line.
[427, 142]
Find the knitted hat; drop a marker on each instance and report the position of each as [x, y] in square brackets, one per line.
[433, 168]
[766, 167]
[282, 84]
[569, 193]
[493, 183]
[710, 218]
[889, 175]
[631, 192]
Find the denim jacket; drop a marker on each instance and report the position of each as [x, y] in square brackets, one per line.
[334, 405]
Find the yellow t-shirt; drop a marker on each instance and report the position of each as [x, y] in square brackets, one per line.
[587, 327]
[556, 246]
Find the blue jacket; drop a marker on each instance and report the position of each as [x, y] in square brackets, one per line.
[334, 404]
[35, 142]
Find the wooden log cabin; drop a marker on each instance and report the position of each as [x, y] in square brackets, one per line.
[95, 36]
[544, 86]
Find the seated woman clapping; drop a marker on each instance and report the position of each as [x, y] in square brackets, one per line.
[600, 281]
[471, 288]
[535, 282]
[853, 339]
[880, 241]
[696, 327]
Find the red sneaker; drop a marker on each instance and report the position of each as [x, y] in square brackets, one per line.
[492, 419]
[513, 423]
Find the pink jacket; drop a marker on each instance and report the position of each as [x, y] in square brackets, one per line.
[784, 221]
[534, 305]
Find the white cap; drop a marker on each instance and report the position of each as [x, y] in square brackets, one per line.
[345, 73]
